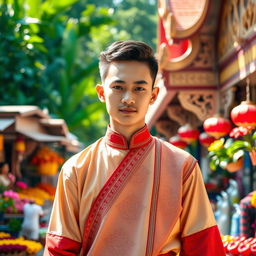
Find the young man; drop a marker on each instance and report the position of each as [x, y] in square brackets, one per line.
[130, 194]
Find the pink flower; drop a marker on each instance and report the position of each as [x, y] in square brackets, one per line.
[19, 204]
[21, 184]
[11, 177]
[240, 131]
[11, 194]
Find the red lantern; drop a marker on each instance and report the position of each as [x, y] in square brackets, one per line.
[205, 139]
[217, 126]
[178, 142]
[244, 114]
[188, 134]
[20, 146]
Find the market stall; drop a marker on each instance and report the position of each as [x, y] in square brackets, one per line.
[33, 147]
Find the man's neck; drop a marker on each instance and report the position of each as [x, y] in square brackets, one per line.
[126, 131]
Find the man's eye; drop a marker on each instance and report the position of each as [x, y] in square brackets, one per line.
[117, 87]
[139, 89]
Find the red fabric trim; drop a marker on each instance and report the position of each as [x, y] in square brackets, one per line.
[204, 243]
[109, 192]
[154, 198]
[60, 245]
[140, 139]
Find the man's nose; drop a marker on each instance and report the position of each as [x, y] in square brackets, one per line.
[128, 98]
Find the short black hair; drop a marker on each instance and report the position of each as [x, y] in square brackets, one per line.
[131, 51]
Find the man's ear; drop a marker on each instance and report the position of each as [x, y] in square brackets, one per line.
[100, 92]
[154, 95]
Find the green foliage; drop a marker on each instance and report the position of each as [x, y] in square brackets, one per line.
[135, 19]
[49, 54]
[6, 204]
[14, 225]
[223, 152]
[45, 59]
[239, 145]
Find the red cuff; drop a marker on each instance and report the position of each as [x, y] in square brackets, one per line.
[61, 246]
[204, 243]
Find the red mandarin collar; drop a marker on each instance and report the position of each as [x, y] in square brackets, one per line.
[139, 139]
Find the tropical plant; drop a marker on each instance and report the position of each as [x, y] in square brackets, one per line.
[247, 142]
[14, 225]
[49, 51]
[220, 154]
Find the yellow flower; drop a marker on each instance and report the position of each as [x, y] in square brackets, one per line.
[253, 200]
[32, 246]
[216, 145]
[3, 234]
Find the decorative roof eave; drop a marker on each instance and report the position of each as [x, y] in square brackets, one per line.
[182, 18]
[239, 64]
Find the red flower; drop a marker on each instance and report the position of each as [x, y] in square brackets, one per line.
[240, 131]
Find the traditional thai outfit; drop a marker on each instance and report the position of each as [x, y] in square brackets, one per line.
[142, 199]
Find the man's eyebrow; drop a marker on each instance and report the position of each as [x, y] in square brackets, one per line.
[141, 82]
[118, 81]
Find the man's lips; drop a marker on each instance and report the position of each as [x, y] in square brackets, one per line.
[128, 110]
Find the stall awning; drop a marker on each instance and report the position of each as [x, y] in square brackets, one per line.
[41, 137]
[5, 123]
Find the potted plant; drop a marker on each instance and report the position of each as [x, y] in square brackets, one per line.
[220, 156]
[14, 227]
[246, 143]
[6, 205]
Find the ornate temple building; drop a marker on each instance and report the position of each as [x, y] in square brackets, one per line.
[207, 55]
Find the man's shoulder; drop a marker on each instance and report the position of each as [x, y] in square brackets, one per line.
[175, 157]
[173, 150]
[81, 156]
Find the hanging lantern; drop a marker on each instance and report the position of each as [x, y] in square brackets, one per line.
[205, 139]
[188, 134]
[1, 142]
[244, 114]
[19, 145]
[217, 126]
[178, 142]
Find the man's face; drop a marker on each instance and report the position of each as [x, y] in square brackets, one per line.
[127, 91]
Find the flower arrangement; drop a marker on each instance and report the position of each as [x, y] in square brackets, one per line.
[239, 245]
[36, 194]
[12, 249]
[47, 161]
[31, 247]
[14, 201]
[4, 235]
[21, 185]
[11, 194]
[7, 205]
[51, 190]
[45, 155]
[221, 155]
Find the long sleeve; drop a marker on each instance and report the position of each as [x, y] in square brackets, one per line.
[199, 232]
[63, 236]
